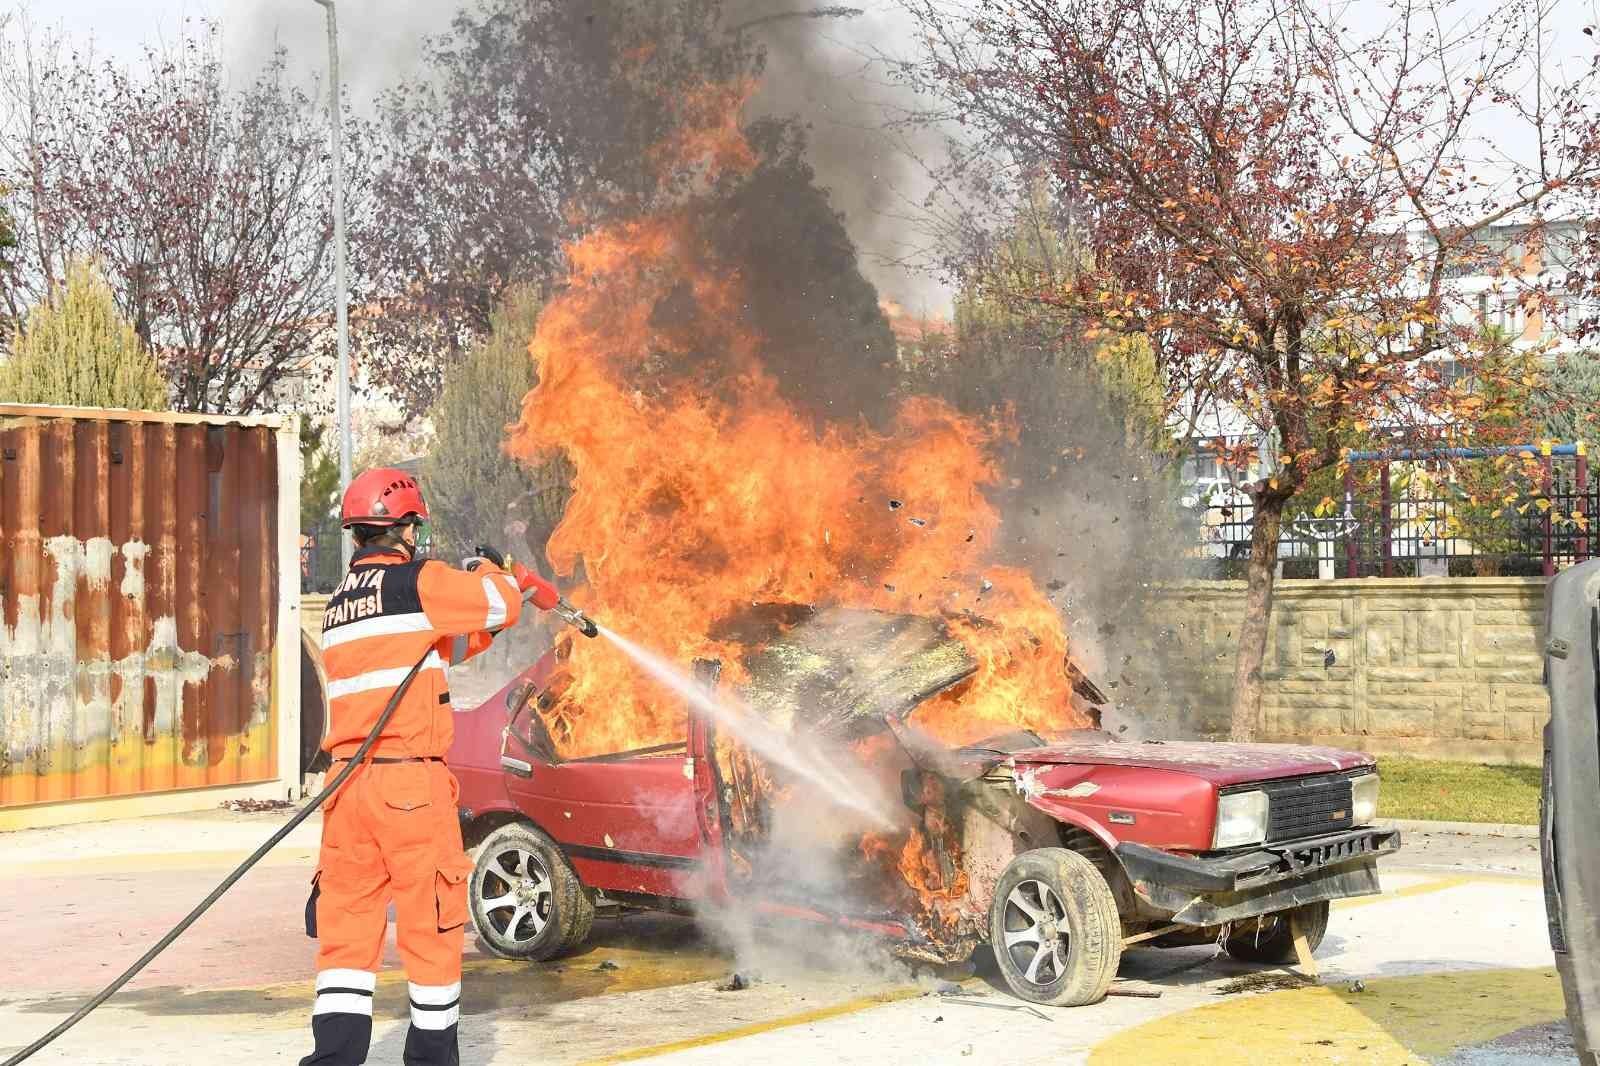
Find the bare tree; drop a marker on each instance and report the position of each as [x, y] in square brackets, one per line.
[206, 205]
[1277, 199]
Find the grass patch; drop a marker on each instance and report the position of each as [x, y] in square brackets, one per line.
[1458, 791]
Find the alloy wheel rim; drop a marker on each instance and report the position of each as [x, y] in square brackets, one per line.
[517, 895]
[1034, 933]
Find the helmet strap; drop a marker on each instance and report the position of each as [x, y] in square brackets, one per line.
[408, 546]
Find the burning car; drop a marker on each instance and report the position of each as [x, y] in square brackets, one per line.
[1057, 851]
[893, 730]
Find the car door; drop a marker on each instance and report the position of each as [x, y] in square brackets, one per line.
[627, 820]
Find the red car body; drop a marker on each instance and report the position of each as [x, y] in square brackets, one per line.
[649, 828]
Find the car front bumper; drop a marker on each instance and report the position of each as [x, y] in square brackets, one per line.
[1203, 890]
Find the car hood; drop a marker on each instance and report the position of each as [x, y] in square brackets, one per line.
[1221, 764]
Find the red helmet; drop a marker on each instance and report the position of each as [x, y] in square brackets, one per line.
[382, 497]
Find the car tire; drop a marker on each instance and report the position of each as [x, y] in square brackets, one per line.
[1054, 928]
[527, 903]
[1268, 939]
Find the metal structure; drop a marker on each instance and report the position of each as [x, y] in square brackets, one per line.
[340, 262]
[321, 556]
[1570, 794]
[1432, 530]
[1325, 533]
[148, 613]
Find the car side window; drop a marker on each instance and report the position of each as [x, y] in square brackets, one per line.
[528, 727]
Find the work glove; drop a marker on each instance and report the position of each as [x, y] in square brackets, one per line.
[485, 554]
[535, 589]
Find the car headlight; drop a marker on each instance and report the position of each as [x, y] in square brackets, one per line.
[1241, 819]
[1363, 799]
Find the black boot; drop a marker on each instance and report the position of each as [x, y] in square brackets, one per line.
[431, 1041]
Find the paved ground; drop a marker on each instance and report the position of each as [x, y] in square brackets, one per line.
[1452, 963]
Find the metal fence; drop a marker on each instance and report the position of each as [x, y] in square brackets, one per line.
[319, 557]
[1535, 524]
[321, 561]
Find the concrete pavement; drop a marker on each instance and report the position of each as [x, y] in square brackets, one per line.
[1453, 962]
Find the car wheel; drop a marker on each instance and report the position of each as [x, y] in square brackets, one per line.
[527, 903]
[1055, 930]
[1269, 939]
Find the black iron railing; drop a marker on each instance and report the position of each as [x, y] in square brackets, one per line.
[1531, 524]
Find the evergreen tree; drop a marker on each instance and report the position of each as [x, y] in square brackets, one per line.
[1569, 407]
[319, 476]
[477, 492]
[75, 349]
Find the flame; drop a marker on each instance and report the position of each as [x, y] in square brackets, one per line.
[700, 490]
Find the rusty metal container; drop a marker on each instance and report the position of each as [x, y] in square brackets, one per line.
[149, 612]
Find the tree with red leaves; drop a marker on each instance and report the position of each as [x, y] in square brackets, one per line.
[1276, 196]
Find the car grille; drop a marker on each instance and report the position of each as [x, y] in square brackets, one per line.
[1307, 806]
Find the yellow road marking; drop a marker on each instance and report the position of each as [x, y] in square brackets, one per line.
[787, 1021]
[1397, 1020]
[1438, 885]
[1423, 889]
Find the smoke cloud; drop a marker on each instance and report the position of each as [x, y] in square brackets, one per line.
[1085, 515]
[379, 41]
[825, 70]
[818, 68]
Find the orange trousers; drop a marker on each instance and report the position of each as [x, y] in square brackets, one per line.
[390, 834]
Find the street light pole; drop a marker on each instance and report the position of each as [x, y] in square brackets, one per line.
[340, 265]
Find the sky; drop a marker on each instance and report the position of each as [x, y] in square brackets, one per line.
[825, 79]
[377, 37]
[380, 40]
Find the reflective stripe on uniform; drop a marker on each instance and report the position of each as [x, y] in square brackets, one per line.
[343, 1003]
[435, 1007]
[497, 605]
[375, 627]
[374, 679]
[344, 992]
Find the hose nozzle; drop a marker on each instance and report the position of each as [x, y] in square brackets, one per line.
[575, 618]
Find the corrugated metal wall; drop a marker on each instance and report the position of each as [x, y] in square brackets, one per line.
[138, 581]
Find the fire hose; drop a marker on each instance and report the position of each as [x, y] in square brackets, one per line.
[562, 609]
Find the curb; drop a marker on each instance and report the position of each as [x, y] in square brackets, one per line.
[1474, 829]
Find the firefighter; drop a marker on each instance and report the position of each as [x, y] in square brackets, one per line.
[391, 833]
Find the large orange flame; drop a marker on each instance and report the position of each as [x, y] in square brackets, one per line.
[699, 490]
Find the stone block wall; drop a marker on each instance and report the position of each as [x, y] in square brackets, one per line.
[1434, 667]
[311, 608]
[1437, 667]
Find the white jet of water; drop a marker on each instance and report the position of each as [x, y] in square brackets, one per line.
[815, 767]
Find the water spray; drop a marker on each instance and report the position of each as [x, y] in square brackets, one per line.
[827, 775]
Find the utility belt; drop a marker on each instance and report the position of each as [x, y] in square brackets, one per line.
[393, 758]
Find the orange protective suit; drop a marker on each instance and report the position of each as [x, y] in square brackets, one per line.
[391, 833]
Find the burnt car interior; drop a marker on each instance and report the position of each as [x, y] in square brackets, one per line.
[840, 678]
